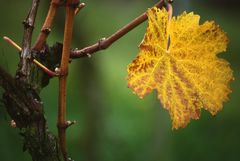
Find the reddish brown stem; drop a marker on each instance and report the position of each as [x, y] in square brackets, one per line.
[105, 43]
[46, 28]
[62, 123]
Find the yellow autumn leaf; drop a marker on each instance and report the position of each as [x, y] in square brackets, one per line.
[185, 69]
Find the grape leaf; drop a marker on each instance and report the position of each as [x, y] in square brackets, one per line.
[178, 58]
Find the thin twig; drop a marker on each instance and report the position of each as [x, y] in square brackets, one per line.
[44, 68]
[62, 123]
[12, 43]
[106, 42]
[40, 65]
[46, 28]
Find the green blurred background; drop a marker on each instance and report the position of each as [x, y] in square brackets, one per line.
[113, 123]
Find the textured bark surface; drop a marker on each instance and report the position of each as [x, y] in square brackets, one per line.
[24, 106]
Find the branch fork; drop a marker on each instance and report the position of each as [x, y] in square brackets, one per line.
[106, 42]
[40, 65]
[72, 9]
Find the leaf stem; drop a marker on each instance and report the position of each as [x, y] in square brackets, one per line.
[106, 42]
[170, 13]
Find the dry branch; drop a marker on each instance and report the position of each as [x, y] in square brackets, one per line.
[106, 42]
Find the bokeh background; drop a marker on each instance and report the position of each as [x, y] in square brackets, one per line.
[113, 123]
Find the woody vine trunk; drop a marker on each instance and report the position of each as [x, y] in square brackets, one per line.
[21, 97]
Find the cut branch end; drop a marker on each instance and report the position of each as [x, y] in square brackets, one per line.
[12, 43]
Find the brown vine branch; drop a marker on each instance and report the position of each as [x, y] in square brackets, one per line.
[24, 70]
[22, 101]
[62, 123]
[17, 90]
[46, 28]
[106, 42]
[26, 111]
